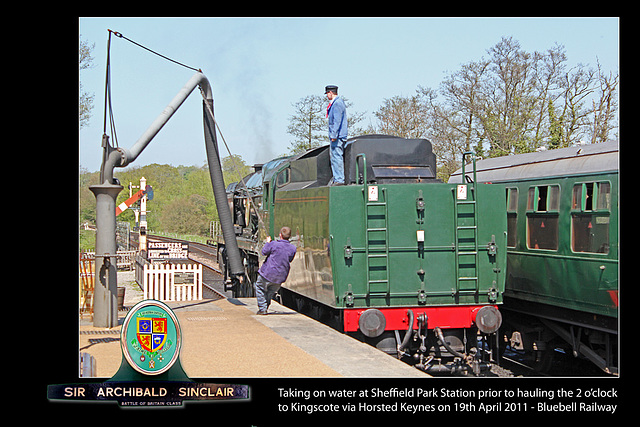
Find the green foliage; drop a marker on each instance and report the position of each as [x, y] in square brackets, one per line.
[186, 215]
[308, 125]
[234, 169]
[183, 199]
[555, 128]
[87, 240]
[87, 200]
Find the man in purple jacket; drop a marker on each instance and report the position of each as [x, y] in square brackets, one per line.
[275, 269]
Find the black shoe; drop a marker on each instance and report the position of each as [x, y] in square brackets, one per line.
[262, 313]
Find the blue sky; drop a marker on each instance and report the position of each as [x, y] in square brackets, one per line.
[259, 67]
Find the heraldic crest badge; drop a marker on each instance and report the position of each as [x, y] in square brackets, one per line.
[151, 337]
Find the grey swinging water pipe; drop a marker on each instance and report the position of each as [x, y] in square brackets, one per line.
[106, 288]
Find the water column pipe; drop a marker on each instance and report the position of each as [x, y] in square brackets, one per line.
[105, 293]
[106, 287]
[235, 265]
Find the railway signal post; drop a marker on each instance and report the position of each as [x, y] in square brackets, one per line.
[142, 239]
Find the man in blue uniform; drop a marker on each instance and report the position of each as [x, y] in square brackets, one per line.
[275, 269]
[337, 115]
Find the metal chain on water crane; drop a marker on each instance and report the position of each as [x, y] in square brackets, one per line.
[120, 35]
[108, 106]
[117, 34]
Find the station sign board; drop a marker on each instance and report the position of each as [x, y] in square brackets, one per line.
[167, 250]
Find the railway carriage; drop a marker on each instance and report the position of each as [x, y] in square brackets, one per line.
[562, 245]
[395, 257]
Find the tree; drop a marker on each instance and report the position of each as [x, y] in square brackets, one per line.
[171, 183]
[308, 124]
[450, 133]
[548, 72]
[508, 102]
[186, 215]
[86, 99]
[604, 107]
[402, 116]
[576, 87]
[515, 101]
[463, 94]
[234, 168]
[87, 201]
[183, 200]
[510, 99]
[555, 128]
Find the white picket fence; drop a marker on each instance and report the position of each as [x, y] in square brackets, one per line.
[172, 282]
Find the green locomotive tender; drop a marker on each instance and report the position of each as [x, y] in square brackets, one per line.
[396, 257]
[562, 245]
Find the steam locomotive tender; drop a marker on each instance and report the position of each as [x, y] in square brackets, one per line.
[395, 257]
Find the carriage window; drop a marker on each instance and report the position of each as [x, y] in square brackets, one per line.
[542, 219]
[591, 196]
[590, 220]
[542, 231]
[576, 201]
[544, 198]
[512, 216]
[590, 233]
[512, 230]
[604, 196]
[553, 200]
[588, 199]
[512, 199]
[530, 198]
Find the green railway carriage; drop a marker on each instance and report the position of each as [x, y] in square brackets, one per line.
[394, 254]
[562, 244]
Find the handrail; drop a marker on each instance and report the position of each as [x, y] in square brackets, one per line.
[473, 158]
[364, 163]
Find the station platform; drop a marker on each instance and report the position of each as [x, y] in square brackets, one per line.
[226, 338]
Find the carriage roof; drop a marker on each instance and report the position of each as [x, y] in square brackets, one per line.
[577, 160]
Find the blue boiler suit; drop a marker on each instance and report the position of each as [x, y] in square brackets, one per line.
[337, 115]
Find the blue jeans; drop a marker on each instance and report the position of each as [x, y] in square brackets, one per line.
[337, 159]
[265, 291]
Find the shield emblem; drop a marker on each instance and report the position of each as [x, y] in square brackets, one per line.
[152, 332]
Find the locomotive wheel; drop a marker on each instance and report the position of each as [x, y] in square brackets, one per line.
[250, 276]
[246, 289]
